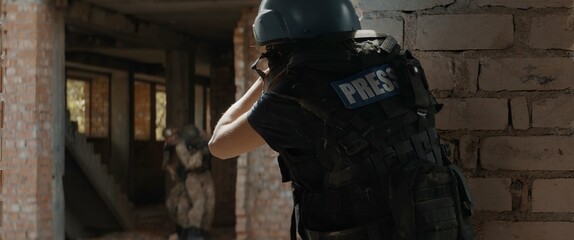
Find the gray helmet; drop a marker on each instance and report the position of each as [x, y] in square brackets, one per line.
[285, 20]
[190, 133]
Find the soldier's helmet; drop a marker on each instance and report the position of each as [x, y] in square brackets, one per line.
[190, 133]
[281, 21]
[168, 132]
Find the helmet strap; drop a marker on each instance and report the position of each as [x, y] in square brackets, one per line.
[259, 71]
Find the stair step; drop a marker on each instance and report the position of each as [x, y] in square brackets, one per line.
[99, 175]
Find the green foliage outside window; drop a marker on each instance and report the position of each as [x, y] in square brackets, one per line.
[76, 95]
[160, 114]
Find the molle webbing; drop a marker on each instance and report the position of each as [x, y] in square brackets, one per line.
[382, 162]
[403, 131]
[426, 200]
[369, 144]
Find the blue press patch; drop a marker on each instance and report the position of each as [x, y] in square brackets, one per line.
[368, 86]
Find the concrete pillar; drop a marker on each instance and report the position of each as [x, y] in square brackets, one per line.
[224, 172]
[120, 128]
[180, 72]
[177, 86]
[59, 123]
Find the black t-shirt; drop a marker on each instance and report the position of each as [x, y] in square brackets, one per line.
[289, 129]
[295, 134]
[282, 123]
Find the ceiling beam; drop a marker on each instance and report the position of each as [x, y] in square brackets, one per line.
[111, 62]
[78, 39]
[88, 17]
[173, 6]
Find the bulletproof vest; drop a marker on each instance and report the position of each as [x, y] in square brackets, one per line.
[195, 142]
[201, 146]
[383, 110]
[379, 137]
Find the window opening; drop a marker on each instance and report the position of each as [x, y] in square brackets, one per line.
[160, 111]
[88, 101]
[142, 110]
[77, 101]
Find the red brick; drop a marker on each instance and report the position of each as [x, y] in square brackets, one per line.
[400, 5]
[1, 75]
[518, 74]
[528, 153]
[28, 65]
[464, 31]
[473, 113]
[551, 32]
[491, 194]
[526, 4]
[498, 230]
[519, 113]
[553, 195]
[258, 169]
[1, 115]
[553, 112]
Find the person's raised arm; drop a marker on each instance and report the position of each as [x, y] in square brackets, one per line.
[233, 135]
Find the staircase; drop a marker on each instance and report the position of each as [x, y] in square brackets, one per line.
[97, 173]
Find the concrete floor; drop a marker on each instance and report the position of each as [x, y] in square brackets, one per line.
[153, 223]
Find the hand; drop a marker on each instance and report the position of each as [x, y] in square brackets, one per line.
[166, 146]
[172, 174]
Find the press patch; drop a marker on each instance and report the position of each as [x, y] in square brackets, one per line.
[368, 86]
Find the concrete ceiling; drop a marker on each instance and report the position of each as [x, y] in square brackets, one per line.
[206, 19]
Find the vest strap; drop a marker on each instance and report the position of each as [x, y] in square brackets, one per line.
[369, 231]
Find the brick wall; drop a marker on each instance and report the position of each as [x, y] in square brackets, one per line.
[1, 114]
[100, 107]
[504, 71]
[263, 203]
[26, 136]
[222, 94]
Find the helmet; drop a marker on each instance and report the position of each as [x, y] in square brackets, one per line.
[168, 132]
[286, 20]
[190, 133]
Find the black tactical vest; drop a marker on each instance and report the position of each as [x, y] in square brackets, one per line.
[378, 170]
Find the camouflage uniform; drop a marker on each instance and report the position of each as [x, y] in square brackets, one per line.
[191, 201]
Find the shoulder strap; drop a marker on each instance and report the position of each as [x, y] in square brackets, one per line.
[414, 83]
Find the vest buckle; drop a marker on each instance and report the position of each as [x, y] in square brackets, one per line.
[422, 112]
